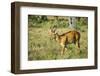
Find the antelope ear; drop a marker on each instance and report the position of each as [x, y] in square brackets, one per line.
[56, 32]
[54, 28]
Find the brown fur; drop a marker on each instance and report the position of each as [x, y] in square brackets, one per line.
[66, 38]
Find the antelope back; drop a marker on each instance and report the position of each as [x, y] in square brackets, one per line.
[68, 37]
[73, 36]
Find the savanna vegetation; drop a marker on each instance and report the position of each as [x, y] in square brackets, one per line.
[42, 46]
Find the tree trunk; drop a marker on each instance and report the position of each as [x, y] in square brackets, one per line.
[72, 22]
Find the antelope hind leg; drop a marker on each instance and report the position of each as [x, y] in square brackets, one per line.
[78, 45]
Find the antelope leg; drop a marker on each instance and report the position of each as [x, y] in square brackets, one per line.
[63, 50]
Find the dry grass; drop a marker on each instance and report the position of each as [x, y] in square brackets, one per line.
[41, 47]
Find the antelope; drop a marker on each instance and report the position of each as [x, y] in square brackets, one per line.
[66, 38]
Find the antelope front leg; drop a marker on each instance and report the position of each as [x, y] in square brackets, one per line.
[63, 50]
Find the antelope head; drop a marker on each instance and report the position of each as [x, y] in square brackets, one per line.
[52, 32]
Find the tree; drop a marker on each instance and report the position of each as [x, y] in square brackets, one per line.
[72, 22]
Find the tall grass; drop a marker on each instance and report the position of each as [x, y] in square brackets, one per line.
[41, 47]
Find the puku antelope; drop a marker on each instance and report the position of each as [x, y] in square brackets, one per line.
[66, 38]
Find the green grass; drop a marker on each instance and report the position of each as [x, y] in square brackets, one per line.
[41, 47]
